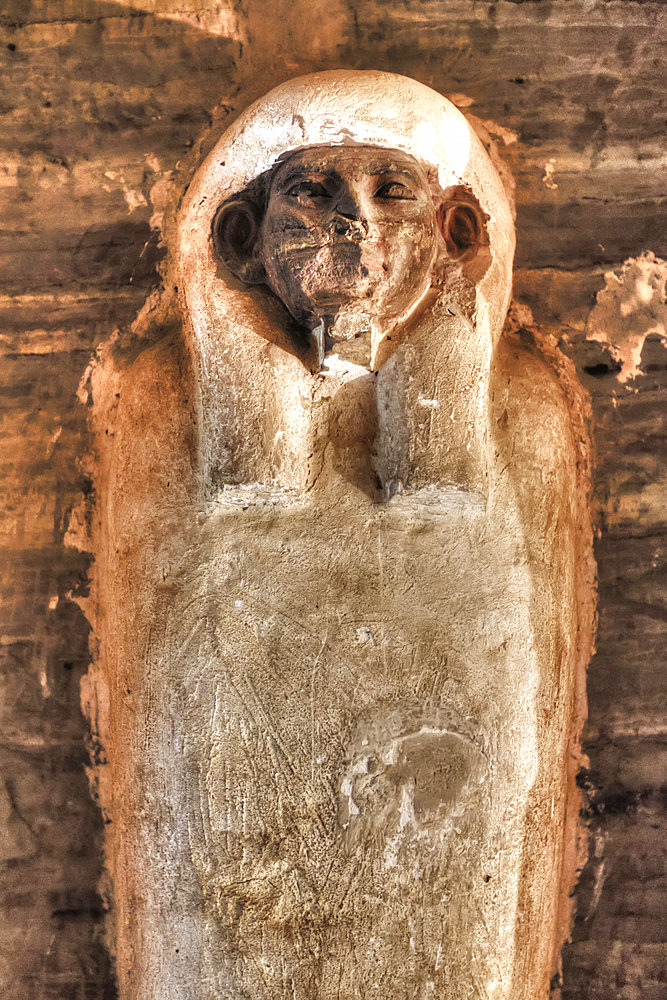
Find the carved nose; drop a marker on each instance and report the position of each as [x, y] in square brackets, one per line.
[348, 208]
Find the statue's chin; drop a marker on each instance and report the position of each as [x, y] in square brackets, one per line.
[349, 329]
[348, 323]
[345, 333]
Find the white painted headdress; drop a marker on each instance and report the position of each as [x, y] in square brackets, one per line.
[228, 327]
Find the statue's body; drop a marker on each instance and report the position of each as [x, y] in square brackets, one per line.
[354, 697]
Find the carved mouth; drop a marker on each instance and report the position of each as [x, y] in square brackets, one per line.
[339, 245]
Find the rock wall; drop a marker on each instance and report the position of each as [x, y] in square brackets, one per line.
[103, 109]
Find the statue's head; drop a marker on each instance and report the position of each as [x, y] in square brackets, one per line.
[346, 231]
[344, 218]
[350, 195]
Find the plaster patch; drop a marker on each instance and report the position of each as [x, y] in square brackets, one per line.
[631, 307]
[134, 198]
[548, 177]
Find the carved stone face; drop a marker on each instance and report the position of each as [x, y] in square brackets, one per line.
[348, 238]
[349, 228]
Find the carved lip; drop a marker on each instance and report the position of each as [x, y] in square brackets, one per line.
[336, 248]
[330, 239]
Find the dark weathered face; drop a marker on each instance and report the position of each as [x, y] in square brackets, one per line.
[348, 227]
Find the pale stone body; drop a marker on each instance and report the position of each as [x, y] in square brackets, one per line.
[347, 691]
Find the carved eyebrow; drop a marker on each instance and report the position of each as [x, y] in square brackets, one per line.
[378, 169]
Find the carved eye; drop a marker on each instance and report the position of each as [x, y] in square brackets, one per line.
[307, 190]
[394, 190]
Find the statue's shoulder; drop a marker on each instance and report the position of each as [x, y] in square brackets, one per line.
[539, 437]
[532, 402]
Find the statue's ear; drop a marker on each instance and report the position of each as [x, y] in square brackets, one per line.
[236, 231]
[462, 227]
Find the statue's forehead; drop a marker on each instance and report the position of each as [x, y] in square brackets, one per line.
[343, 159]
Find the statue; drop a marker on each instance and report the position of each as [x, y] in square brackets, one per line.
[348, 762]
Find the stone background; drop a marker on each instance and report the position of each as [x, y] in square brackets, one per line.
[101, 109]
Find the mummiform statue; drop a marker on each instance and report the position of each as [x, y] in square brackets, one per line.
[341, 665]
